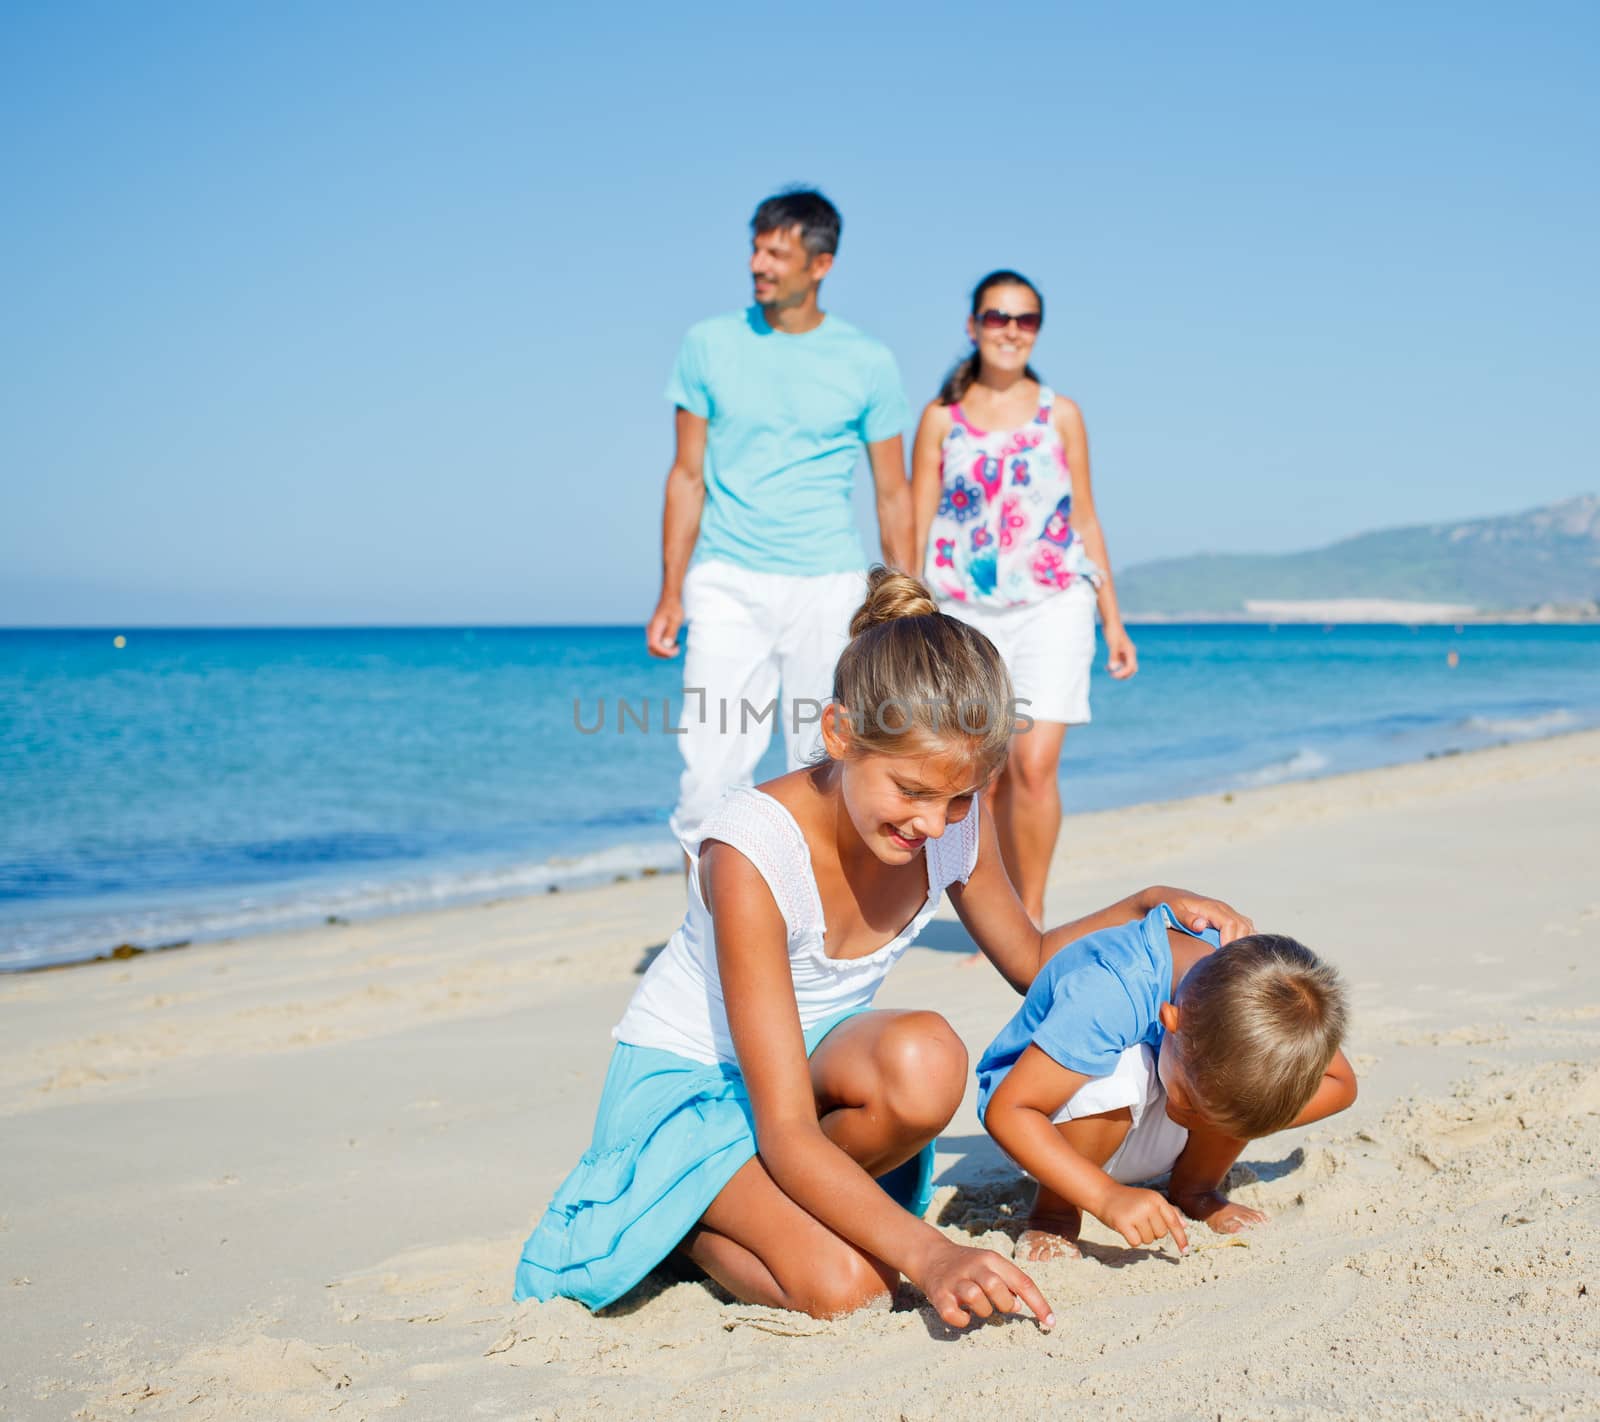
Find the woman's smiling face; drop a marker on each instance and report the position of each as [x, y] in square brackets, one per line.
[1005, 348]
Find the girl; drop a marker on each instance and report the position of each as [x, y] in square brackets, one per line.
[756, 1115]
[1008, 539]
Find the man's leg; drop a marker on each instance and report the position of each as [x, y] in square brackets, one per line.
[816, 628]
[730, 676]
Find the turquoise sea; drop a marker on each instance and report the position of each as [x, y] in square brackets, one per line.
[203, 784]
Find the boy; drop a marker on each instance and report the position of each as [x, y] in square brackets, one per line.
[1146, 1048]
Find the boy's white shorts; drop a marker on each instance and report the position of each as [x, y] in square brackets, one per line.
[1155, 1141]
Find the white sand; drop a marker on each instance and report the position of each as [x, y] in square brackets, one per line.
[289, 1177]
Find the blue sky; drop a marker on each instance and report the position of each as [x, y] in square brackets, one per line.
[362, 312]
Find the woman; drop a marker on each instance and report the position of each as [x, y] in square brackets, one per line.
[1009, 542]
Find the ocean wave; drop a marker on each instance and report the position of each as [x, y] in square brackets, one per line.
[73, 937]
[1302, 763]
[1521, 727]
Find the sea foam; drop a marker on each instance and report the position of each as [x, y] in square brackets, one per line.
[1521, 727]
[1302, 763]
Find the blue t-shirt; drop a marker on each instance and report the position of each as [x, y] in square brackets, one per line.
[1092, 1001]
[788, 417]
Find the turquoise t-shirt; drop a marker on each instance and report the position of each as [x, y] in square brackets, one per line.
[787, 417]
[1092, 1001]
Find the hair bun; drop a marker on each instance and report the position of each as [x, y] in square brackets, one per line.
[891, 595]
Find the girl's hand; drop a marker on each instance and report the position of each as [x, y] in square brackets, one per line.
[1143, 1216]
[1200, 913]
[964, 1283]
[1122, 658]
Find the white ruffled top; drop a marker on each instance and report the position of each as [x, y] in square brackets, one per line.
[678, 1007]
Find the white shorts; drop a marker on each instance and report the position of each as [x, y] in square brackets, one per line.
[749, 633]
[1048, 647]
[1154, 1143]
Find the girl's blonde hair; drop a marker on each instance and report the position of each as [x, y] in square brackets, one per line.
[912, 677]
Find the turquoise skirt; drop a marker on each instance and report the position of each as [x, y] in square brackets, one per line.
[669, 1134]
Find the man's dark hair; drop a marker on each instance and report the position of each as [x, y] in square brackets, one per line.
[817, 218]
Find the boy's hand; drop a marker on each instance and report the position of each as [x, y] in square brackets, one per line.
[962, 1283]
[1232, 1218]
[1218, 1212]
[1142, 1217]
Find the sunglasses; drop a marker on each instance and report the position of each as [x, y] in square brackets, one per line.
[992, 320]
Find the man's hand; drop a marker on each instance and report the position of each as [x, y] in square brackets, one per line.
[895, 531]
[680, 527]
[661, 635]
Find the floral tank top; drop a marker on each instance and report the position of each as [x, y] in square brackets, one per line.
[1003, 534]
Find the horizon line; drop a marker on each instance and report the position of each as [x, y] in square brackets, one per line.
[1499, 617]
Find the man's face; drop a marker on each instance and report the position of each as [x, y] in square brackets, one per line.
[783, 272]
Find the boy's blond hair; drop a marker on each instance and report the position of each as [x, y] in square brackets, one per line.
[1259, 1021]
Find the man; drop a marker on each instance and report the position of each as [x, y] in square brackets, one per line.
[774, 406]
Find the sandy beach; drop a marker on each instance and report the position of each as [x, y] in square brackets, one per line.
[288, 1177]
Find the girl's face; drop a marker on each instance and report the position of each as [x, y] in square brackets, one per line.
[1003, 345]
[897, 803]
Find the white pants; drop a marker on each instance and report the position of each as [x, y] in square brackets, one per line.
[749, 632]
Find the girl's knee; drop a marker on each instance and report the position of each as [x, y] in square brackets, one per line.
[922, 1068]
[845, 1282]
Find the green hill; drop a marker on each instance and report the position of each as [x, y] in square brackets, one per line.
[1521, 560]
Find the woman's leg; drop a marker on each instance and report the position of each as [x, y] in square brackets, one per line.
[886, 1083]
[1054, 1222]
[1027, 811]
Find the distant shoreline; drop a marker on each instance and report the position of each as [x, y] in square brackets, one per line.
[1391, 615]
